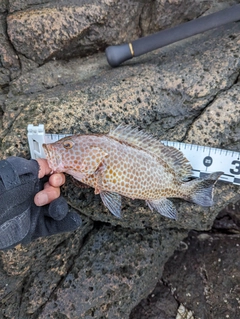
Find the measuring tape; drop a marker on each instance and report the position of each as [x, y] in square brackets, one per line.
[204, 160]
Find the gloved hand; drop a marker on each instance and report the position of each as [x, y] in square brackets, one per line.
[21, 221]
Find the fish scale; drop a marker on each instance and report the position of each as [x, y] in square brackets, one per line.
[132, 163]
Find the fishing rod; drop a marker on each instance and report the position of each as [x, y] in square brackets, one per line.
[118, 54]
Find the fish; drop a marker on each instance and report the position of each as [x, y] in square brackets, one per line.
[132, 163]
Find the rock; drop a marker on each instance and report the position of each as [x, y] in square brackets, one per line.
[74, 275]
[205, 278]
[212, 265]
[101, 288]
[159, 304]
[68, 30]
[17, 5]
[9, 63]
[228, 220]
[105, 268]
[222, 113]
[3, 6]
[57, 73]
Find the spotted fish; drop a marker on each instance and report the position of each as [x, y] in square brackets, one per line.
[132, 163]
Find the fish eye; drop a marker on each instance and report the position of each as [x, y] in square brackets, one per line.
[68, 144]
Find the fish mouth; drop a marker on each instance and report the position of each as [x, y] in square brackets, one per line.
[53, 158]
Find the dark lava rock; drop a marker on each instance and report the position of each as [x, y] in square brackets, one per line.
[204, 277]
[208, 280]
[96, 277]
[228, 220]
[159, 304]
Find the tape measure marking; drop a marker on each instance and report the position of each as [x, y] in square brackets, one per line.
[204, 159]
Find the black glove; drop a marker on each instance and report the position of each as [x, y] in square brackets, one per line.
[21, 221]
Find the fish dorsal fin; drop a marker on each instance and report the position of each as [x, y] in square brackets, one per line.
[145, 141]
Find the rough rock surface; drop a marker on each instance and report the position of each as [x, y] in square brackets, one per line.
[188, 91]
[95, 278]
[204, 276]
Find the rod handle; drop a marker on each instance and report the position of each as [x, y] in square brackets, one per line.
[120, 53]
[117, 54]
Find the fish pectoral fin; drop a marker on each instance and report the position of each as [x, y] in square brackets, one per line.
[112, 201]
[164, 207]
[97, 155]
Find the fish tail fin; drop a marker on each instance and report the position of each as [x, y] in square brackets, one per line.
[200, 191]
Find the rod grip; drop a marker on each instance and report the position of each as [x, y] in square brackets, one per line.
[117, 54]
[120, 53]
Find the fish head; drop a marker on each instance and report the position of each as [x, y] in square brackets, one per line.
[63, 155]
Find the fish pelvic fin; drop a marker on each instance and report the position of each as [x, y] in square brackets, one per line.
[164, 207]
[112, 201]
[147, 142]
[200, 191]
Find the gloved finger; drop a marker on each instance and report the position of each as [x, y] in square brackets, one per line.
[57, 209]
[50, 226]
[47, 195]
[70, 223]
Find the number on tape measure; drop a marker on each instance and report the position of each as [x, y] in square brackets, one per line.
[236, 170]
